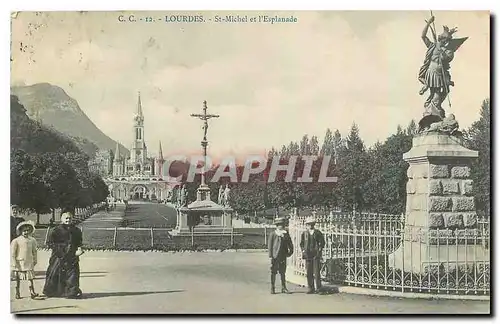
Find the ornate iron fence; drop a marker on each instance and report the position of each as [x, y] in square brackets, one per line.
[376, 251]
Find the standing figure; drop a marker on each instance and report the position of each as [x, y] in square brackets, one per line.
[221, 196]
[24, 257]
[227, 193]
[183, 196]
[178, 200]
[434, 73]
[312, 243]
[280, 248]
[63, 273]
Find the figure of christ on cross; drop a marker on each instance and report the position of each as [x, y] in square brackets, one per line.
[205, 117]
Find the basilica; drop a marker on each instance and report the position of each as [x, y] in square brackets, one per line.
[137, 176]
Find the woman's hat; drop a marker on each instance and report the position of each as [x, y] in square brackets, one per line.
[23, 224]
[310, 220]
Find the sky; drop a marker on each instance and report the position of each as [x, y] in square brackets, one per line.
[270, 84]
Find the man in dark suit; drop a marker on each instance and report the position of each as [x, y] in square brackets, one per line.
[312, 243]
[280, 247]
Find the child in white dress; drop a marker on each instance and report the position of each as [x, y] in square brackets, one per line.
[24, 257]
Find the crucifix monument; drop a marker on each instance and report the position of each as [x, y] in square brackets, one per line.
[203, 213]
[203, 192]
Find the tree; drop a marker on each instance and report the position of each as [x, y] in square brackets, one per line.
[374, 196]
[314, 146]
[318, 193]
[327, 148]
[58, 183]
[100, 190]
[28, 190]
[284, 151]
[353, 164]
[305, 148]
[293, 149]
[272, 153]
[79, 163]
[389, 174]
[48, 169]
[478, 138]
[277, 190]
[249, 197]
[412, 128]
[338, 145]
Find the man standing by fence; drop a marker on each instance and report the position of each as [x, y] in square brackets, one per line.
[280, 247]
[312, 243]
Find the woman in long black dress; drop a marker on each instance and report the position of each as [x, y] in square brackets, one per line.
[63, 273]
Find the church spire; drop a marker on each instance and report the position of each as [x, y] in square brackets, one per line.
[117, 152]
[160, 153]
[139, 104]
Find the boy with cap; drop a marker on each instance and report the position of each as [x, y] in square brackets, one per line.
[312, 243]
[280, 247]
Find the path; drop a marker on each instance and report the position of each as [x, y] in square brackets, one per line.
[150, 215]
[188, 283]
[105, 219]
[137, 215]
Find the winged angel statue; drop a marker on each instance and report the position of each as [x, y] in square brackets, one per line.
[434, 73]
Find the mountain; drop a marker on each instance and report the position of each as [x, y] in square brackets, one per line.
[52, 106]
[32, 137]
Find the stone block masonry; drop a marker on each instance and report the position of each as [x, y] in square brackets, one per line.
[461, 204]
[441, 224]
[460, 172]
[440, 204]
[450, 187]
[466, 187]
[439, 171]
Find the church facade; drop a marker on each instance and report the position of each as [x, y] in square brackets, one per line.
[138, 176]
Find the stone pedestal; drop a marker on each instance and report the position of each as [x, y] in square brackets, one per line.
[204, 209]
[441, 225]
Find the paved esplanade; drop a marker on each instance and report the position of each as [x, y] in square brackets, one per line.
[139, 214]
[213, 282]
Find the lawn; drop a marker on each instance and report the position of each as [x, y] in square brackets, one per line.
[132, 239]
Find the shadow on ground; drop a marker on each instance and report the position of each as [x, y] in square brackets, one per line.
[82, 273]
[125, 293]
[325, 290]
[40, 309]
[40, 275]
